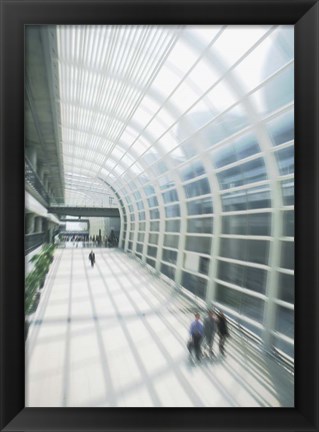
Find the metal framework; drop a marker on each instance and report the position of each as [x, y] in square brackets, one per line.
[190, 129]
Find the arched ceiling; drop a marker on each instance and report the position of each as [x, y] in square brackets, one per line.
[126, 96]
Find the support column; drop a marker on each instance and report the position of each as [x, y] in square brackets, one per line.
[29, 223]
[38, 224]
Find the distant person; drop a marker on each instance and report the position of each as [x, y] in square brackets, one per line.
[210, 330]
[222, 332]
[196, 332]
[92, 258]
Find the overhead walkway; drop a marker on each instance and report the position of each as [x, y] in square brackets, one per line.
[84, 211]
[115, 335]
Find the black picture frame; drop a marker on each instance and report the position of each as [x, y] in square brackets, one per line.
[15, 15]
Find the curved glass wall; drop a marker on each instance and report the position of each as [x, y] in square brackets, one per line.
[193, 128]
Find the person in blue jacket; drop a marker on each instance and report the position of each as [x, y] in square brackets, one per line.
[196, 332]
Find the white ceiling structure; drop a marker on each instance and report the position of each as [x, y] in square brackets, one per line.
[189, 131]
[123, 92]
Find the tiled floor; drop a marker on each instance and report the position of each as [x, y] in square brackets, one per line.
[115, 335]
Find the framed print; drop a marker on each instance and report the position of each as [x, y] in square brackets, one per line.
[159, 215]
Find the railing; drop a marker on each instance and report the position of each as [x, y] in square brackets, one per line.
[32, 241]
[238, 331]
[33, 180]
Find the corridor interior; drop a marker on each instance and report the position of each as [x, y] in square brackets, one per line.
[115, 336]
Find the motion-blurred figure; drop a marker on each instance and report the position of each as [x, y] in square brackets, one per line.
[196, 332]
[222, 331]
[209, 330]
[92, 258]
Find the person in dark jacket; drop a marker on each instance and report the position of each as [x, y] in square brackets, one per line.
[196, 332]
[210, 330]
[222, 331]
[92, 258]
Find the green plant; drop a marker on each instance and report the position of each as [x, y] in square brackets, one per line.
[31, 289]
[36, 278]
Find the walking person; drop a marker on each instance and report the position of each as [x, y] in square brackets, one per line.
[210, 330]
[222, 331]
[92, 258]
[196, 332]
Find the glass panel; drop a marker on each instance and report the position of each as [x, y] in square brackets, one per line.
[197, 188]
[141, 226]
[245, 250]
[198, 244]
[204, 265]
[170, 196]
[286, 284]
[149, 190]
[232, 273]
[224, 126]
[200, 225]
[168, 271]
[200, 206]
[171, 241]
[271, 54]
[137, 196]
[249, 172]
[245, 37]
[248, 224]
[285, 321]
[172, 226]
[234, 201]
[259, 224]
[254, 171]
[154, 214]
[276, 93]
[281, 129]
[230, 178]
[241, 303]
[235, 224]
[166, 182]
[152, 202]
[243, 276]
[172, 211]
[139, 247]
[288, 192]
[153, 238]
[288, 255]
[195, 169]
[169, 256]
[150, 262]
[140, 205]
[258, 198]
[141, 216]
[285, 347]
[235, 151]
[152, 251]
[225, 155]
[194, 284]
[285, 159]
[258, 251]
[255, 279]
[154, 226]
[159, 168]
[289, 223]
